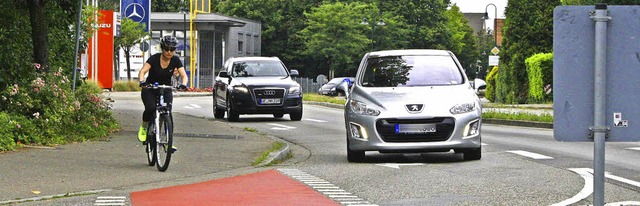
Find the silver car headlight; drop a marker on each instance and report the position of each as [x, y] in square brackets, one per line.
[463, 108]
[359, 107]
[294, 90]
[241, 89]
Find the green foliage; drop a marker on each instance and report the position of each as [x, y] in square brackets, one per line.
[131, 34]
[491, 85]
[125, 86]
[323, 98]
[540, 70]
[518, 116]
[329, 21]
[528, 30]
[44, 111]
[464, 43]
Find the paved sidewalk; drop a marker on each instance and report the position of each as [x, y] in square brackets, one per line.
[206, 150]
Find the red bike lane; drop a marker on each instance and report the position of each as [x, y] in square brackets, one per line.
[263, 188]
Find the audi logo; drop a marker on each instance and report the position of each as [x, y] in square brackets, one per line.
[269, 92]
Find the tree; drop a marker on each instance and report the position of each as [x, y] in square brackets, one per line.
[427, 20]
[281, 21]
[464, 43]
[39, 31]
[330, 21]
[528, 30]
[131, 34]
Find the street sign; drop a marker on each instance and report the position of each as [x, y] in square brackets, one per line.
[495, 51]
[494, 60]
[138, 11]
[573, 74]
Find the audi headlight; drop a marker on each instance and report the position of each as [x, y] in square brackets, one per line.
[463, 108]
[240, 89]
[362, 108]
[294, 90]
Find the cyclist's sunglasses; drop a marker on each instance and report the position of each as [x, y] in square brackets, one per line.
[169, 48]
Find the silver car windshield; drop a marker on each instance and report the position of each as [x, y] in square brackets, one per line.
[406, 71]
[258, 69]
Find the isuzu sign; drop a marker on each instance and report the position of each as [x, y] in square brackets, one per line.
[137, 10]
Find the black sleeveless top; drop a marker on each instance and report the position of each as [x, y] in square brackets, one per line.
[157, 74]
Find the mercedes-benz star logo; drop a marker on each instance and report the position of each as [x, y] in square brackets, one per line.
[414, 108]
[135, 12]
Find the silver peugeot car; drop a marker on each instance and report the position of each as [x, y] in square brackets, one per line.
[412, 101]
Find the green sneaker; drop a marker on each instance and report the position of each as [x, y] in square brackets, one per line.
[142, 133]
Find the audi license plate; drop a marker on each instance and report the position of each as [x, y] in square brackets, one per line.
[269, 101]
[415, 128]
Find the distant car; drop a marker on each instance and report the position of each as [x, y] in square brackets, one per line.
[412, 101]
[256, 85]
[330, 87]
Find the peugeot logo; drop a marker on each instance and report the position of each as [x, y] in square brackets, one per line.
[269, 92]
[414, 108]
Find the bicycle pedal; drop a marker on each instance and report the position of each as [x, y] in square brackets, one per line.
[173, 149]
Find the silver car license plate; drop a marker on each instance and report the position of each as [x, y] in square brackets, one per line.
[269, 101]
[415, 128]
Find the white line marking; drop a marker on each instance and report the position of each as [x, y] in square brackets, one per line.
[586, 190]
[324, 187]
[281, 127]
[331, 190]
[397, 165]
[316, 120]
[634, 148]
[530, 154]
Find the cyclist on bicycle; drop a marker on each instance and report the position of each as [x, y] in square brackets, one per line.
[161, 68]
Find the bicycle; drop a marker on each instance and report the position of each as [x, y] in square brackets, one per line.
[159, 140]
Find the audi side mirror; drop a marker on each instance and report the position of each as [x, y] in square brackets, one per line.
[294, 73]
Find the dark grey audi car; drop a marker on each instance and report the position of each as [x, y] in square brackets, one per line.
[256, 85]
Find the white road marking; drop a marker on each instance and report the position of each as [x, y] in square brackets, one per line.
[530, 154]
[110, 201]
[634, 148]
[316, 120]
[326, 188]
[586, 190]
[192, 106]
[281, 127]
[397, 165]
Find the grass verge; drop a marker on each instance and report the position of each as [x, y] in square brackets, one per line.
[274, 147]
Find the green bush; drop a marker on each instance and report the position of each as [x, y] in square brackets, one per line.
[490, 91]
[540, 72]
[44, 111]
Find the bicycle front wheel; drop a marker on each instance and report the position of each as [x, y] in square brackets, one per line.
[164, 142]
[150, 145]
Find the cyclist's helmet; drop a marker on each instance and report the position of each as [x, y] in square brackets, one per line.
[168, 42]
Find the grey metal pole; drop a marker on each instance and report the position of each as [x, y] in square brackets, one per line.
[600, 88]
[75, 58]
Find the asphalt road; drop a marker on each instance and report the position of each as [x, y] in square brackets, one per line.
[520, 166]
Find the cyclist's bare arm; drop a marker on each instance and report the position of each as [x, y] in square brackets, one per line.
[183, 74]
[145, 68]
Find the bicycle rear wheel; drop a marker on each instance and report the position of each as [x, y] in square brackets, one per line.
[164, 142]
[150, 144]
